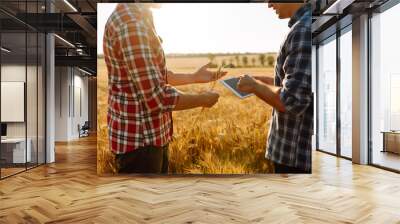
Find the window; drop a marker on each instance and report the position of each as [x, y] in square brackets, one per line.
[22, 77]
[15, 150]
[346, 75]
[385, 89]
[327, 96]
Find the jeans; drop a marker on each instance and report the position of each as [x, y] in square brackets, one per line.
[148, 159]
[280, 168]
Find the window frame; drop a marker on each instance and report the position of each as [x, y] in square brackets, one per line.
[339, 32]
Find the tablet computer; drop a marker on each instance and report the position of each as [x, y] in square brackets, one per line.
[231, 84]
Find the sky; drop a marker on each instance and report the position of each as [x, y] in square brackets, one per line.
[211, 28]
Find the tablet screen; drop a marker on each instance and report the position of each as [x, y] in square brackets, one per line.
[231, 84]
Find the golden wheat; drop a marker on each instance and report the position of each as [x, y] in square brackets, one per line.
[228, 138]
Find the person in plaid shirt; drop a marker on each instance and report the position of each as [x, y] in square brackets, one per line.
[290, 94]
[141, 96]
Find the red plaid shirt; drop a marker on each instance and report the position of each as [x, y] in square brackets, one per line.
[140, 101]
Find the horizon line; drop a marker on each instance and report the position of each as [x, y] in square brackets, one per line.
[208, 53]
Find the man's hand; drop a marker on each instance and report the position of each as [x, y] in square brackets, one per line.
[247, 84]
[203, 75]
[268, 93]
[209, 98]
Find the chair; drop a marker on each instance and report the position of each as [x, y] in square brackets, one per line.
[84, 130]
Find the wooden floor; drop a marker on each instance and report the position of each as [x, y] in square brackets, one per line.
[10, 171]
[69, 191]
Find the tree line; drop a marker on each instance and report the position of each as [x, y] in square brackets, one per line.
[244, 61]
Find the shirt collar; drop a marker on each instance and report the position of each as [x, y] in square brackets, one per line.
[306, 8]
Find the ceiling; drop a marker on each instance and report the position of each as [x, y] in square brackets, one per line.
[74, 22]
[328, 16]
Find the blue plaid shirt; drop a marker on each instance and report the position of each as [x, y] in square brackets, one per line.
[289, 141]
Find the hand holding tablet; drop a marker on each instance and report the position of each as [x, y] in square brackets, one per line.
[231, 84]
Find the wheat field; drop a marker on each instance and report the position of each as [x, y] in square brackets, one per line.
[228, 138]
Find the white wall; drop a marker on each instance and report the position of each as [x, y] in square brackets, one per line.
[61, 103]
[70, 84]
[12, 73]
[15, 73]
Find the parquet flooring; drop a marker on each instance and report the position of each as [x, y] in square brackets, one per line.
[70, 191]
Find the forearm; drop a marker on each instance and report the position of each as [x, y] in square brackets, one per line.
[265, 79]
[176, 79]
[270, 94]
[189, 101]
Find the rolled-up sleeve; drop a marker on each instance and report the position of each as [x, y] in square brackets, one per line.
[158, 96]
[296, 93]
